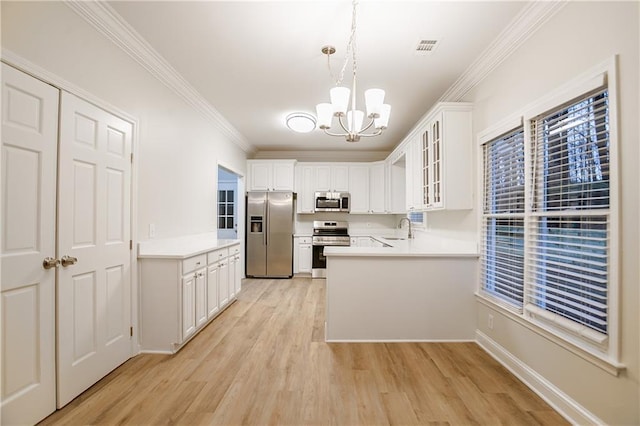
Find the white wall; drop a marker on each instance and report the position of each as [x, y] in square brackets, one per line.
[565, 47]
[178, 150]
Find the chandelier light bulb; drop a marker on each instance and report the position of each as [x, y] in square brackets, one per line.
[324, 112]
[374, 98]
[340, 99]
[382, 121]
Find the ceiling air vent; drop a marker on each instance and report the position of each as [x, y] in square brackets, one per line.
[426, 47]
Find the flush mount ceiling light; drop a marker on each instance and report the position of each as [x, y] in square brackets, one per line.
[301, 122]
[377, 111]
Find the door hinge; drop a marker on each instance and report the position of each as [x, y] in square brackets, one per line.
[131, 331]
[130, 244]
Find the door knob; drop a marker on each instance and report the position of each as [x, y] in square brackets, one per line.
[68, 260]
[50, 262]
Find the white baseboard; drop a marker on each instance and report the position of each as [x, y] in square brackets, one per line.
[561, 402]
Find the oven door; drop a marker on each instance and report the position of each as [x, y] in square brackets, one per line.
[318, 262]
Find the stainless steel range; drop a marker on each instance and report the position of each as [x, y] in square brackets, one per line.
[326, 233]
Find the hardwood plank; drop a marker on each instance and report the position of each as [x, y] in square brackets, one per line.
[264, 361]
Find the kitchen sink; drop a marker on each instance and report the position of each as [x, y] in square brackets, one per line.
[394, 238]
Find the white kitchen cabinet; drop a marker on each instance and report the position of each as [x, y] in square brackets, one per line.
[445, 151]
[200, 301]
[237, 275]
[223, 282]
[359, 188]
[213, 301]
[179, 295]
[331, 178]
[235, 272]
[378, 188]
[188, 306]
[271, 175]
[305, 188]
[302, 255]
[413, 174]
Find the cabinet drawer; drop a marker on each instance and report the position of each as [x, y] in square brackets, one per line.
[193, 263]
[304, 240]
[217, 255]
[233, 250]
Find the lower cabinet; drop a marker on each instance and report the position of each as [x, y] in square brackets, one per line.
[302, 255]
[180, 296]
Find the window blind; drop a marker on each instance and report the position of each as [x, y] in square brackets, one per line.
[570, 219]
[502, 260]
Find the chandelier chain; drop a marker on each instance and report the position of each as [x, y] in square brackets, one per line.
[351, 50]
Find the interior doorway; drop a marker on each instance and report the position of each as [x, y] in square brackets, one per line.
[227, 204]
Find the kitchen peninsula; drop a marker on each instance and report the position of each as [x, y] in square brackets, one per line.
[410, 290]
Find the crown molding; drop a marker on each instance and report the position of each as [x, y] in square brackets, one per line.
[524, 25]
[107, 21]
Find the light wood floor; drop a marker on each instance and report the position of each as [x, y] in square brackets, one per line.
[264, 361]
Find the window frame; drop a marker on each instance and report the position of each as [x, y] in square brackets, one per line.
[604, 74]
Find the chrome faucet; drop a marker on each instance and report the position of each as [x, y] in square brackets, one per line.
[410, 234]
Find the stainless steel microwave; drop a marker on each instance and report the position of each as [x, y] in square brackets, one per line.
[332, 202]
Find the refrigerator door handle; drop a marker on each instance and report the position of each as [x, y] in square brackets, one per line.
[266, 222]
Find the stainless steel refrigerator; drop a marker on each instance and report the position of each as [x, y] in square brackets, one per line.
[269, 234]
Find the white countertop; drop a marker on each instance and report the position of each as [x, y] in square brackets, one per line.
[182, 247]
[425, 246]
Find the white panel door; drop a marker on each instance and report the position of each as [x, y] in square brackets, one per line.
[29, 156]
[188, 305]
[94, 297]
[201, 297]
[212, 291]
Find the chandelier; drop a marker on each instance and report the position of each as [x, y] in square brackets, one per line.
[377, 111]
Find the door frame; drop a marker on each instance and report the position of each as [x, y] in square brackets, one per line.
[240, 205]
[52, 79]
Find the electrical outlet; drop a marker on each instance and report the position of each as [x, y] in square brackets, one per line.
[152, 230]
[490, 322]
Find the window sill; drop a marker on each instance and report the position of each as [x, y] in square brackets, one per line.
[610, 366]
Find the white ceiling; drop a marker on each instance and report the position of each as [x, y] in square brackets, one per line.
[257, 61]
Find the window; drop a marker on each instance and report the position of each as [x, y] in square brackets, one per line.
[418, 219]
[503, 219]
[570, 217]
[546, 221]
[225, 209]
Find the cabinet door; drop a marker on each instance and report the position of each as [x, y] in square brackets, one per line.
[305, 189]
[232, 277]
[260, 176]
[188, 305]
[201, 297]
[414, 175]
[223, 283]
[304, 262]
[282, 176]
[359, 188]
[322, 178]
[237, 277]
[212, 291]
[435, 150]
[377, 188]
[340, 178]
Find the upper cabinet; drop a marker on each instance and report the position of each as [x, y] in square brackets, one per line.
[359, 188]
[271, 175]
[305, 188]
[331, 178]
[445, 145]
